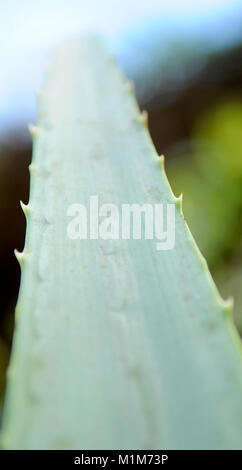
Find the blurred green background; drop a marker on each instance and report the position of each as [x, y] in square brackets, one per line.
[186, 63]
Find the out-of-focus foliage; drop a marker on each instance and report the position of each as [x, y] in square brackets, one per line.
[209, 173]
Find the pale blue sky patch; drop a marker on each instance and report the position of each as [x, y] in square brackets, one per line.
[30, 30]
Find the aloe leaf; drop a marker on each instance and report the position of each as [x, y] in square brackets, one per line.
[117, 345]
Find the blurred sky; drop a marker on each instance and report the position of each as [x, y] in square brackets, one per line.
[29, 30]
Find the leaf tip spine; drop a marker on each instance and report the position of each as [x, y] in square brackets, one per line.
[26, 208]
[161, 159]
[31, 168]
[228, 305]
[129, 86]
[20, 256]
[179, 202]
[33, 130]
[143, 118]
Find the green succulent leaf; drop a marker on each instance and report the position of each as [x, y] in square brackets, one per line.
[117, 345]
